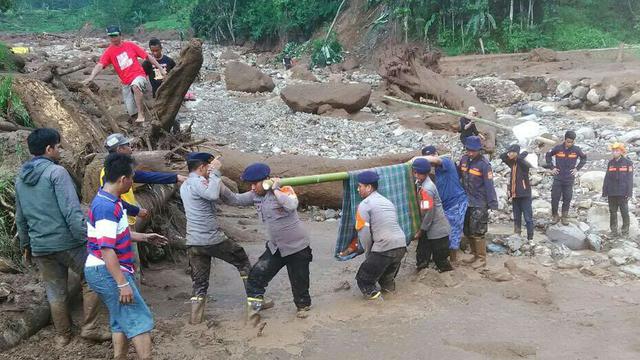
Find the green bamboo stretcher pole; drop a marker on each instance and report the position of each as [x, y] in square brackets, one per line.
[308, 179]
[456, 113]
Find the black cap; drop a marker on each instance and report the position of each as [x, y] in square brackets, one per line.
[514, 148]
[113, 30]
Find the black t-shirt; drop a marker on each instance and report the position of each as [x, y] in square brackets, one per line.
[465, 133]
[166, 62]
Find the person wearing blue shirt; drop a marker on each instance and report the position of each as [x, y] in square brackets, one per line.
[454, 199]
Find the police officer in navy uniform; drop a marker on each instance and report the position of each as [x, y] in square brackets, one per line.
[476, 177]
[519, 188]
[618, 188]
[565, 170]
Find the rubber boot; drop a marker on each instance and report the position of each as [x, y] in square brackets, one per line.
[90, 329]
[481, 253]
[555, 219]
[62, 323]
[565, 219]
[197, 309]
[517, 230]
[472, 245]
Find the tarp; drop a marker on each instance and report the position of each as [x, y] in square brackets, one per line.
[396, 184]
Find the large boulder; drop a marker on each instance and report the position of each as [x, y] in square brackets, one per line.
[569, 235]
[611, 92]
[309, 97]
[580, 92]
[592, 180]
[563, 89]
[242, 77]
[593, 96]
[632, 100]
[497, 91]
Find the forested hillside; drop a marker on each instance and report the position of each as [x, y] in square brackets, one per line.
[457, 26]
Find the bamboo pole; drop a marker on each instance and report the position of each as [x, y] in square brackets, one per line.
[456, 113]
[308, 179]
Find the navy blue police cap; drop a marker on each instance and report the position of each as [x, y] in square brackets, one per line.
[255, 172]
[368, 177]
[200, 156]
[421, 166]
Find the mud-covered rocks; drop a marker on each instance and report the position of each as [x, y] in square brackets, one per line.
[245, 78]
[564, 88]
[497, 91]
[309, 97]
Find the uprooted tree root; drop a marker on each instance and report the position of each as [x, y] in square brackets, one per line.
[411, 74]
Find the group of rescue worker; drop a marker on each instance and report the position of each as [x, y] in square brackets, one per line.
[454, 200]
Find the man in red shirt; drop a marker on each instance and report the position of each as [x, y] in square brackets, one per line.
[123, 55]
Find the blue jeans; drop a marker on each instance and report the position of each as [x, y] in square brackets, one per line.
[131, 319]
[455, 215]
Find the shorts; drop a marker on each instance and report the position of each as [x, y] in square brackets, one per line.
[127, 93]
[131, 319]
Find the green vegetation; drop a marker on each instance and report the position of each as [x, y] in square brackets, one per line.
[457, 26]
[11, 106]
[9, 247]
[463, 26]
[326, 53]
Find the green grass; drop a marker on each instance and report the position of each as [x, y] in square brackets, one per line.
[11, 105]
[169, 23]
[51, 21]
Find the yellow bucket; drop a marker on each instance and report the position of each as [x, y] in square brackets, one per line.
[20, 50]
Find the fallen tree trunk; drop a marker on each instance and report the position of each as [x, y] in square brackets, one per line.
[14, 329]
[404, 70]
[49, 109]
[326, 194]
[170, 94]
[9, 126]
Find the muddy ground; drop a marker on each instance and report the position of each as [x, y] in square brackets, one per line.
[542, 313]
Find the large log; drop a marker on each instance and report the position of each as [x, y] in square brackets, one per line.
[404, 69]
[234, 162]
[327, 194]
[47, 108]
[171, 93]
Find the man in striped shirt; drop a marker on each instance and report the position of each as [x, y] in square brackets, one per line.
[110, 265]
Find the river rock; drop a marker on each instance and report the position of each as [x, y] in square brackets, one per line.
[630, 136]
[496, 91]
[593, 96]
[309, 97]
[633, 270]
[514, 242]
[245, 78]
[536, 96]
[595, 242]
[603, 105]
[586, 133]
[611, 92]
[632, 100]
[569, 235]
[575, 104]
[564, 88]
[592, 180]
[580, 92]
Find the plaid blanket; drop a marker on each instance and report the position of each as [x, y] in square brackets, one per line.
[396, 184]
